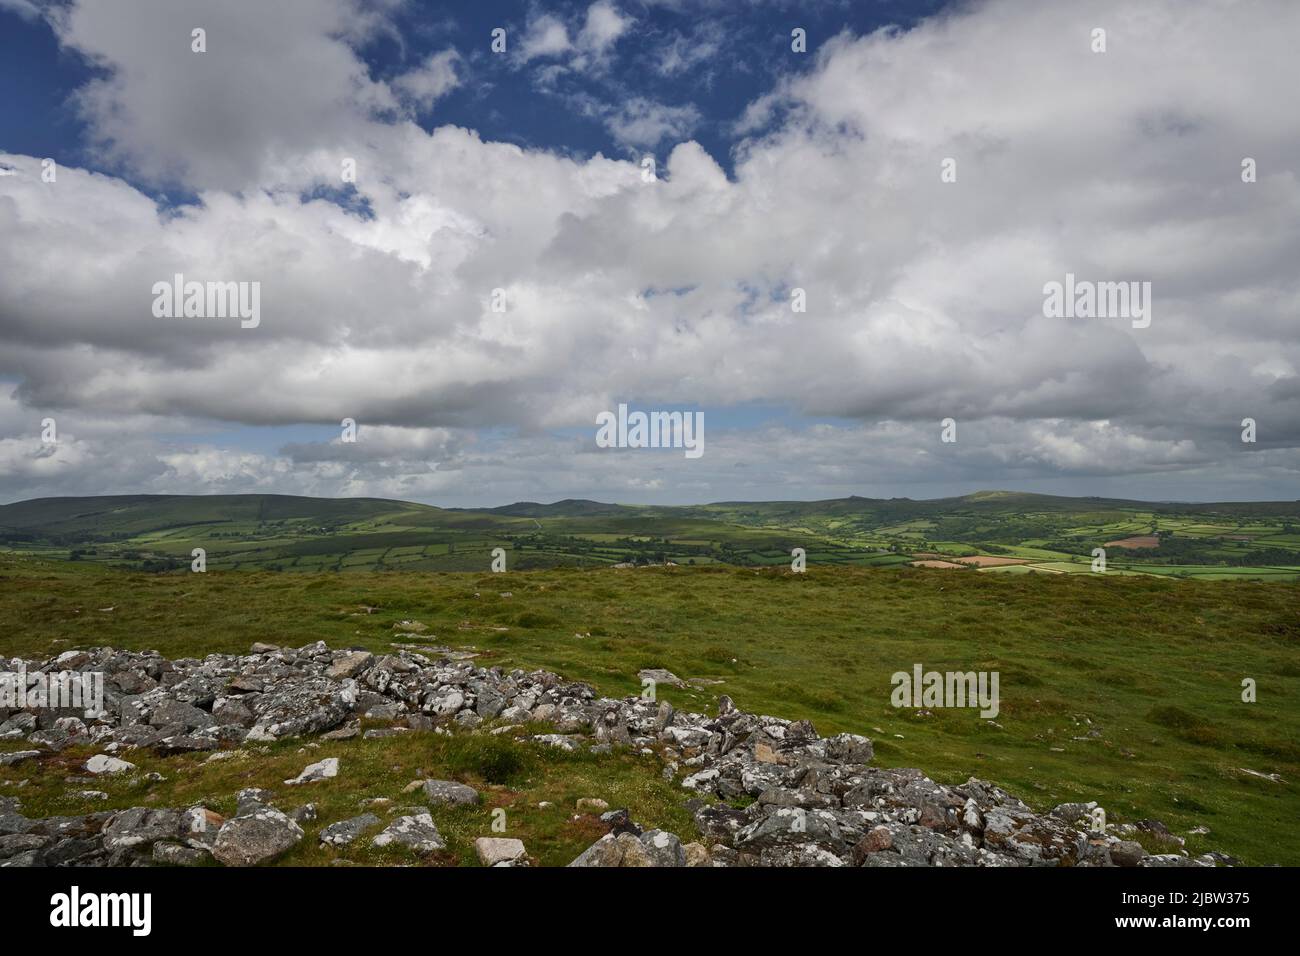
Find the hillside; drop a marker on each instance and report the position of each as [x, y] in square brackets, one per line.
[994, 532]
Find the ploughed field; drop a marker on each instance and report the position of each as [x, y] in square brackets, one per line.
[1124, 690]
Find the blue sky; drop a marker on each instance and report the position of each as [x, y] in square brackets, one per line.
[715, 70]
[520, 173]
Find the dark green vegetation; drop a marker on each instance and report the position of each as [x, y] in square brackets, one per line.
[1126, 690]
[1034, 533]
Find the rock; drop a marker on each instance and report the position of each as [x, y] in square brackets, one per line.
[104, 764]
[345, 831]
[652, 848]
[22, 849]
[660, 676]
[173, 854]
[17, 757]
[417, 833]
[250, 799]
[172, 712]
[791, 825]
[1127, 853]
[322, 770]
[346, 732]
[696, 855]
[141, 826]
[449, 793]
[260, 648]
[200, 825]
[620, 821]
[490, 702]
[591, 805]
[496, 850]
[256, 837]
[350, 665]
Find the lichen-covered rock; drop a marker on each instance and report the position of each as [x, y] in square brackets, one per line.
[256, 837]
[416, 832]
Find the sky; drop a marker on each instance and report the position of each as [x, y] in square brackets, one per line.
[834, 253]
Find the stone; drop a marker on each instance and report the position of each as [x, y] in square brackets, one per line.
[140, 826]
[660, 676]
[350, 665]
[654, 848]
[591, 805]
[696, 855]
[256, 837]
[104, 764]
[174, 854]
[322, 770]
[1127, 853]
[346, 831]
[171, 712]
[416, 832]
[17, 756]
[449, 793]
[496, 850]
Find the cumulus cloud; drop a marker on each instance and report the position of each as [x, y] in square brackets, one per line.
[643, 123]
[434, 78]
[924, 298]
[546, 36]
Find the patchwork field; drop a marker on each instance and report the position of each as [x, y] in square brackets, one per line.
[984, 532]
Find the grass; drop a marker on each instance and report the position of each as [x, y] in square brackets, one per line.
[513, 778]
[1125, 690]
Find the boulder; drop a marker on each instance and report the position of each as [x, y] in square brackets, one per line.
[449, 793]
[416, 832]
[493, 851]
[255, 837]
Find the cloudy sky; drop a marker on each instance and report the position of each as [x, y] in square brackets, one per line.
[524, 171]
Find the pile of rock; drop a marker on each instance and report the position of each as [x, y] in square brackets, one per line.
[807, 800]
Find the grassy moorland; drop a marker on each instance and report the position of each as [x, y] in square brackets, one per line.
[1126, 690]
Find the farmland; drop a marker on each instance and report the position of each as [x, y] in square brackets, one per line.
[983, 533]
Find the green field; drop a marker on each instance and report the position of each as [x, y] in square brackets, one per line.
[1222, 541]
[1121, 689]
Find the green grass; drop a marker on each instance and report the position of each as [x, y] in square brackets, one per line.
[511, 776]
[1124, 656]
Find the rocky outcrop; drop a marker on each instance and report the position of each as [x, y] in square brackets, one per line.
[764, 791]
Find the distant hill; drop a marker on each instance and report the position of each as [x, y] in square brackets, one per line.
[136, 514]
[569, 507]
[1002, 532]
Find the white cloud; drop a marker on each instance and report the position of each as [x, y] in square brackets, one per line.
[546, 36]
[604, 25]
[433, 79]
[643, 123]
[924, 298]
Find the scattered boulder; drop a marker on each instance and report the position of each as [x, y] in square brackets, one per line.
[499, 851]
[449, 793]
[256, 837]
[104, 764]
[322, 770]
[346, 831]
[416, 832]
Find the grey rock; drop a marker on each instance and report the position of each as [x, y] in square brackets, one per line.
[416, 832]
[346, 831]
[256, 837]
[449, 793]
